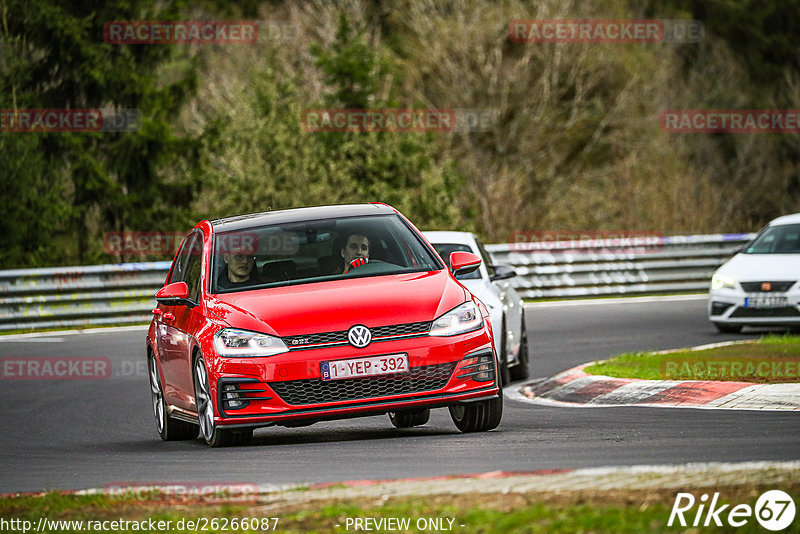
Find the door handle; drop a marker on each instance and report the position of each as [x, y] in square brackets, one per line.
[168, 316]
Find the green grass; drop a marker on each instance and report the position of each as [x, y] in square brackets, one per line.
[561, 512]
[772, 359]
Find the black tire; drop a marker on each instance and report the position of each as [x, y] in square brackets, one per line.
[409, 418]
[169, 429]
[505, 374]
[723, 328]
[478, 416]
[211, 433]
[521, 371]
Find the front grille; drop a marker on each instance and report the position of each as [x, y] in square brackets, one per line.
[401, 329]
[316, 339]
[781, 311]
[300, 342]
[775, 287]
[718, 308]
[316, 391]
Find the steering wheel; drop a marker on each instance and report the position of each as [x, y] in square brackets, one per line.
[358, 262]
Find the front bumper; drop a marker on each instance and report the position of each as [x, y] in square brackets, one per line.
[288, 389]
[735, 307]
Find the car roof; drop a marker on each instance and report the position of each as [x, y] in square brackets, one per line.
[438, 236]
[786, 219]
[300, 214]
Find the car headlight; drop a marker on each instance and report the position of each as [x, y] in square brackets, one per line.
[718, 282]
[465, 318]
[243, 343]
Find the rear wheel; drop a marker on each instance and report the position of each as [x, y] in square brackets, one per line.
[478, 416]
[723, 328]
[212, 434]
[520, 371]
[168, 428]
[409, 418]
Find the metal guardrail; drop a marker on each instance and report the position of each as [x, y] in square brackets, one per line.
[123, 293]
[75, 296]
[666, 265]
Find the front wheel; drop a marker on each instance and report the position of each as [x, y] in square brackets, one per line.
[478, 416]
[409, 418]
[212, 434]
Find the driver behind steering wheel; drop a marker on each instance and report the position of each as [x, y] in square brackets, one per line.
[355, 252]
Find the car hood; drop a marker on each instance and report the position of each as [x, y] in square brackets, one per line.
[762, 267]
[337, 305]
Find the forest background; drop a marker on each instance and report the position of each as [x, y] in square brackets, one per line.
[576, 142]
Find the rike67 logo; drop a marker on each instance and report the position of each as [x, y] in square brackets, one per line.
[774, 510]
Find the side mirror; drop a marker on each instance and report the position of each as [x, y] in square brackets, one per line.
[464, 262]
[174, 294]
[502, 272]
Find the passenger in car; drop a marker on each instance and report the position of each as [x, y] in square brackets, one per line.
[240, 271]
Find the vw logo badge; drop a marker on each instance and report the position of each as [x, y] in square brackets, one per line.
[359, 336]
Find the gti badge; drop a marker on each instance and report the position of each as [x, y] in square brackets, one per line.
[359, 336]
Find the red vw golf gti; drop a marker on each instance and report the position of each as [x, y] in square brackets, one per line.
[298, 316]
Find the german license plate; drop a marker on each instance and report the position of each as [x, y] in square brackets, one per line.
[357, 367]
[765, 301]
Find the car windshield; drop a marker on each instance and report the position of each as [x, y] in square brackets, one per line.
[781, 239]
[316, 251]
[445, 249]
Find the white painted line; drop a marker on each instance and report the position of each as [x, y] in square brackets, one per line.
[40, 335]
[621, 300]
[35, 340]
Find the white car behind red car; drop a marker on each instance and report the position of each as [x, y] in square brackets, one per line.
[759, 285]
[490, 283]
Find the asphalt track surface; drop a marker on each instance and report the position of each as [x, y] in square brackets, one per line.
[76, 434]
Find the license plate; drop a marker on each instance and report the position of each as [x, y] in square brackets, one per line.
[770, 301]
[373, 366]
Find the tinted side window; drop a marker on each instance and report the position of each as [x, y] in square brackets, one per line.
[193, 263]
[179, 265]
[781, 239]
